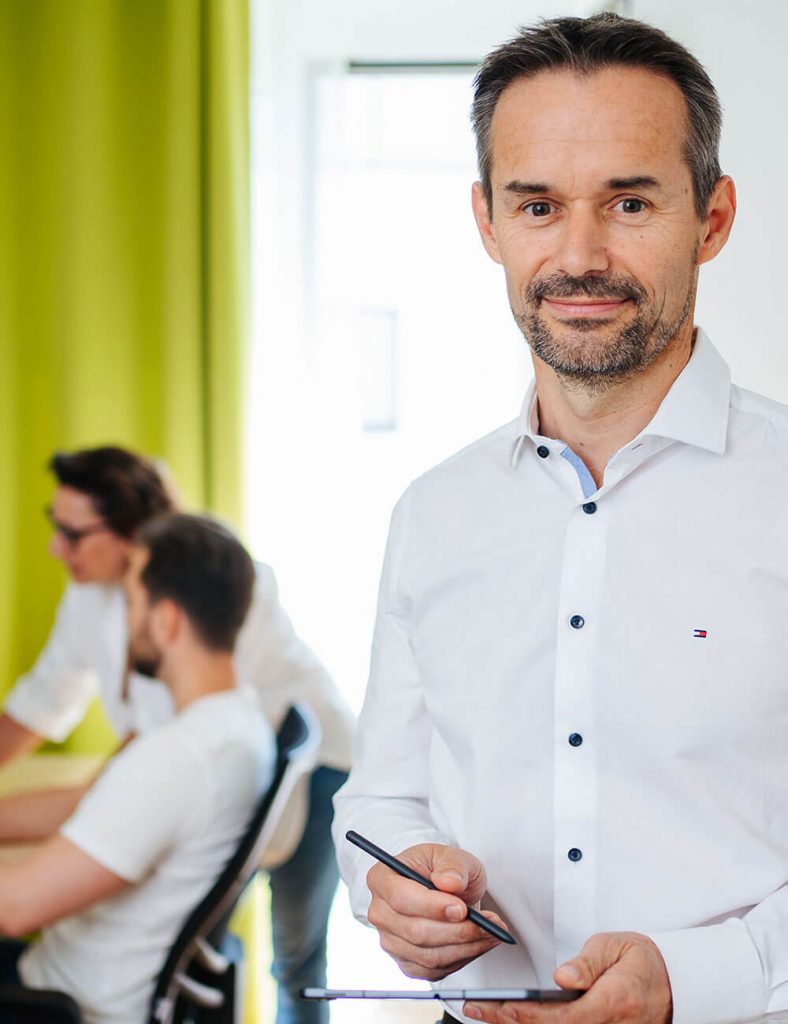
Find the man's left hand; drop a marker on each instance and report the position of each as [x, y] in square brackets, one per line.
[624, 979]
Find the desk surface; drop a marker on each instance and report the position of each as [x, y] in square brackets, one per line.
[43, 771]
[48, 771]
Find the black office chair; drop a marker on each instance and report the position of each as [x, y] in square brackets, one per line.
[198, 982]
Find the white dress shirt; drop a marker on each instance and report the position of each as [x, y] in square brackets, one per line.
[591, 694]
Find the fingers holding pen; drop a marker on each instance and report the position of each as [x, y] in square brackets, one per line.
[426, 931]
[425, 918]
[423, 942]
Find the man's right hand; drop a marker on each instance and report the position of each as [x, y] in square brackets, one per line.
[427, 932]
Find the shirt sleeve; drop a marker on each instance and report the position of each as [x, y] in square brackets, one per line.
[140, 806]
[270, 656]
[387, 795]
[272, 659]
[51, 699]
[733, 971]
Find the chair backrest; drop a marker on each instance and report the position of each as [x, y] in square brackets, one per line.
[297, 741]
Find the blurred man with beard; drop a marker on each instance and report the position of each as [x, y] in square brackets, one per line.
[114, 883]
[577, 703]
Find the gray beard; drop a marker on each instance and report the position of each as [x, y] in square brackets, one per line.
[592, 368]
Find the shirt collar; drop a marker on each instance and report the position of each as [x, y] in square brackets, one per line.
[694, 411]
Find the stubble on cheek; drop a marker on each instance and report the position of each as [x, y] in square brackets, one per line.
[596, 353]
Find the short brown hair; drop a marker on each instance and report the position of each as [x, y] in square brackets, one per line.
[202, 566]
[126, 488]
[585, 45]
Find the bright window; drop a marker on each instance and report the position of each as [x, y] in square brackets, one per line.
[394, 349]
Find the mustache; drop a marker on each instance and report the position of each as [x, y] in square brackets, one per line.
[562, 286]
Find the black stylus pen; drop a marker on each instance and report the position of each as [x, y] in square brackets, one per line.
[402, 869]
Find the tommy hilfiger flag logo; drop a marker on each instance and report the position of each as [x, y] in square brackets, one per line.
[700, 634]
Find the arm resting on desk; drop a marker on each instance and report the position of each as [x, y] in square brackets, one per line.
[58, 880]
[15, 739]
[29, 817]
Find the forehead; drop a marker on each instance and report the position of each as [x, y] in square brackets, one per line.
[616, 122]
[73, 505]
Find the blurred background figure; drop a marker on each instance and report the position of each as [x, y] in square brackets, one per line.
[103, 497]
[116, 878]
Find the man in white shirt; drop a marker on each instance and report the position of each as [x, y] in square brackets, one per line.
[577, 704]
[113, 885]
[102, 496]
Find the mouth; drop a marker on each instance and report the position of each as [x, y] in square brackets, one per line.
[583, 307]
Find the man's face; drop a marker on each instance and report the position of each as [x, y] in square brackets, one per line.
[83, 541]
[144, 656]
[594, 219]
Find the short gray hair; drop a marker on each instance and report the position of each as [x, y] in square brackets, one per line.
[585, 45]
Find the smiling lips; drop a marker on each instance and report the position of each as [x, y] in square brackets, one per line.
[584, 307]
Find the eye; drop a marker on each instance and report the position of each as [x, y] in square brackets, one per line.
[538, 208]
[630, 205]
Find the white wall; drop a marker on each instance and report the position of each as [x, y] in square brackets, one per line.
[291, 37]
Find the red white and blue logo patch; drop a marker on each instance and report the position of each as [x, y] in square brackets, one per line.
[700, 634]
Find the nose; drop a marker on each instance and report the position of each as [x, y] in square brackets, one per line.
[58, 546]
[583, 246]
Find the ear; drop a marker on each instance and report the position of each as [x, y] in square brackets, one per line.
[127, 546]
[483, 216]
[719, 219]
[165, 622]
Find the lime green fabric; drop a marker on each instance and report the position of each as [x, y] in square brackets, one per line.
[124, 216]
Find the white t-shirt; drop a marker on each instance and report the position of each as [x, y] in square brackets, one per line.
[166, 815]
[85, 657]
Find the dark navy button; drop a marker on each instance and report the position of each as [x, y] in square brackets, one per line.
[577, 622]
[575, 855]
[575, 739]
[589, 508]
[542, 451]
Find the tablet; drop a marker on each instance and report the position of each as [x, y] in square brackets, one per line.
[527, 995]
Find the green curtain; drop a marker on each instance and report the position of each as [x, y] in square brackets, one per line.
[124, 255]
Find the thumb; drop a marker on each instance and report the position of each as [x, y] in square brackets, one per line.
[593, 960]
[459, 873]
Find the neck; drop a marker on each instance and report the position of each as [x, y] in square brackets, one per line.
[597, 423]
[197, 673]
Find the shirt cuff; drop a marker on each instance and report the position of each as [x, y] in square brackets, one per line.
[37, 718]
[715, 973]
[31, 704]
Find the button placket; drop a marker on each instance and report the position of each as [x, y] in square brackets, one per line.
[575, 760]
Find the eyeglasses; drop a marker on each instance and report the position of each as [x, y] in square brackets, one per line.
[70, 535]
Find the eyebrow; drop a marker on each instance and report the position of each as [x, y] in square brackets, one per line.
[526, 188]
[637, 181]
[531, 188]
